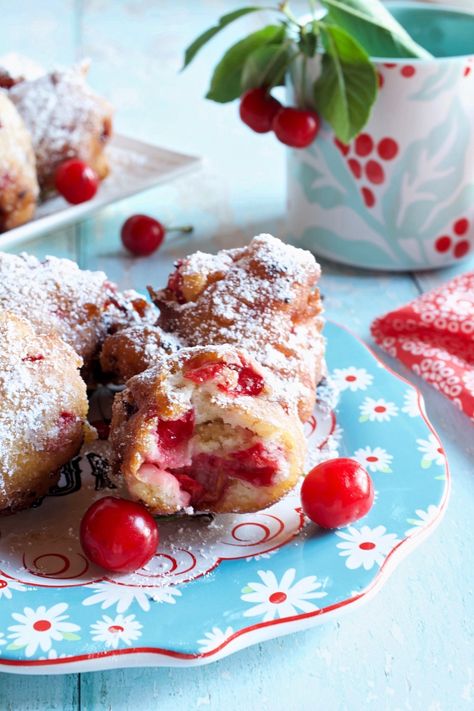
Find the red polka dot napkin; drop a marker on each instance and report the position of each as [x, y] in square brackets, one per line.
[434, 336]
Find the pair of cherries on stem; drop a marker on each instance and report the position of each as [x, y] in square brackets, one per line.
[122, 536]
[263, 113]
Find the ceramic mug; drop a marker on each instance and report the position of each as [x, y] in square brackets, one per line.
[401, 195]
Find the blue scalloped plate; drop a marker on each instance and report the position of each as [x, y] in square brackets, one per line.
[216, 587]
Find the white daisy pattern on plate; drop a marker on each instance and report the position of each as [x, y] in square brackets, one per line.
[7, 587]
[214, 639]
[38, 628]
[468, 380]
[113, 631]
[275, 598]
[411, 406]
[431, 450]
[2, 639]
[424, 519]
[379, 410]
[375, 459]
[365, 547]
[352, 378]
[122, 596]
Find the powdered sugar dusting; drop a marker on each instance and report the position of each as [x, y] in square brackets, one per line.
[55, 295]
[18, 185]
[65, 118]
[261, 298]
[34, 388]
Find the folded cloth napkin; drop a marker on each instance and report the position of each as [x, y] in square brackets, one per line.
[434, 336]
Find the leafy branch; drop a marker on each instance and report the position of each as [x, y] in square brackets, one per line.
[349, 33]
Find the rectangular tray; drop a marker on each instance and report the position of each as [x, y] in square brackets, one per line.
[134, 166]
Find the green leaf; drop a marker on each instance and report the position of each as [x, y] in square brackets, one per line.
[247, 589]
[13, 646]
[363, 418]
[204, 38]
[347, 87]
[425, 463]
[374, 27]
[226, 81]
[265, 66]
[70, 636]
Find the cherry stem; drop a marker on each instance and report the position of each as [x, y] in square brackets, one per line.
[186, 230]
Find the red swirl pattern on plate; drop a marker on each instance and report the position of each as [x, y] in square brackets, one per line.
[55, 565]
[56, 559]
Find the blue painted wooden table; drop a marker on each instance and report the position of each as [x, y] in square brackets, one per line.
[412, 646]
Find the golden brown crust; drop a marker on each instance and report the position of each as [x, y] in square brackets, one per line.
[262, 297]
[223, 423]
[44, 407]
[81, 306]
[132, 350]
[18, 185]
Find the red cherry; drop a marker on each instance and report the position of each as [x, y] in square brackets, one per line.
[387, 148]
[142, 235]
[337, 492]
[258, 109]
[364, 145]
[118, 535]
[76, 181]
[296, 127]
[374, 172]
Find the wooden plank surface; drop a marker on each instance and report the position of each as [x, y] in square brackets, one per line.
[411, 646]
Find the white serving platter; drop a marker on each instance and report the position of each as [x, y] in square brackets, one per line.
[134, 166]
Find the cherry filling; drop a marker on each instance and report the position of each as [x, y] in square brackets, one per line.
[206, 478]
[249, 382]
[255, 464]
[175, 283]
[173, 433]
[32, 358]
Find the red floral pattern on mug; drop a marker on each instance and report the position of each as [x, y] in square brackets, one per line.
[457, 240]
[434, 336]
[364, 157]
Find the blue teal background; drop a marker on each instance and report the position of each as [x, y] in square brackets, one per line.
[411, 646]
